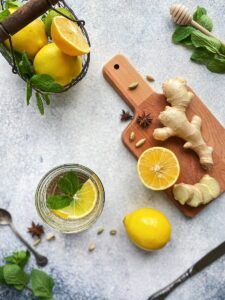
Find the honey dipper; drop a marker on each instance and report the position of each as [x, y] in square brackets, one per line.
[181, 16]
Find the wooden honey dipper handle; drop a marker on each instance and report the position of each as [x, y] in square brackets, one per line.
[181, 16]
[23, 16]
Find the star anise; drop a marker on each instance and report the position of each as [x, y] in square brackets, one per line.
[144, 120]
[36, 230]
[125, 116]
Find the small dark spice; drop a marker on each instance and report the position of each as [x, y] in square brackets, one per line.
[144, 120]
[36, 230]
[125, 116]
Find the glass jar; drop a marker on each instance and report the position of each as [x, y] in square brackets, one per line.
[68, 225]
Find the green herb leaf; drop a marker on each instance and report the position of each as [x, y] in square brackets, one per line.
[46, 98]
[58, 202]
[2, 279]
[187, 42]
[29, 92]
[202, 55]
[15, 276]
[222, 49]
[42, 284]
[200, 11]
[19, 258]
[40, 104]
[69, 184]
[25, 66]
[216, 65]
[181, 33]
[206, 22]
[4, 14]
[12, 4]
[45, 83]
[201, 40]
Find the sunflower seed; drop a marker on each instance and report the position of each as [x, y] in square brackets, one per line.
[113, 232]
[100, 231]
[132, 136]
[150, 78]
[140, 143]
[133, 85]
[91, 247]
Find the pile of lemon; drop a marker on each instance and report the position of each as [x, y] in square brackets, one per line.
[55, 45]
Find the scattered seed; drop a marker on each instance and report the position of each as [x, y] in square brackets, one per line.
[140, 143]
[50, 236]
[133, 85]
[113, 232]
[132, 136]
[100, 231]
[91, 247]
[36, 242]
[150, 78]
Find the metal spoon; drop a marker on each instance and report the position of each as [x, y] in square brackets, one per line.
[6, 219]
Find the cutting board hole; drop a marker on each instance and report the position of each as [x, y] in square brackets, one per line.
[116, 67]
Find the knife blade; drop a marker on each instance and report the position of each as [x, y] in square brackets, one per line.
[201, 264]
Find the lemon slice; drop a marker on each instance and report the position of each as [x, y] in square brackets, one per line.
[158, 168]
[83, 203]
[68, 36]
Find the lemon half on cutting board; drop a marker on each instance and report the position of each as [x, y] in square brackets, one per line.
[158, 168]
[83, 203]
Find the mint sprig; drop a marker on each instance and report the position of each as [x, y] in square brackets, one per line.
[207, 50]
[13, 275]
[68, 186]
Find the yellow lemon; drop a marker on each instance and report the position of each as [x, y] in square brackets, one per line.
[68, 37]
[83, 203]
[158, 168]
[52, 61]
[30, 39]
[148, 228]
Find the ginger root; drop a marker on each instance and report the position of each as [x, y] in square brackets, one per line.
[200, 193]
[176, 123]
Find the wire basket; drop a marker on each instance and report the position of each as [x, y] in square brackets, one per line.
[11, 56]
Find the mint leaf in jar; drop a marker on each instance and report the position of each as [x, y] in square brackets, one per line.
[58, 201]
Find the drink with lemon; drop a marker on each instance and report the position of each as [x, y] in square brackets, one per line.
[70, 198]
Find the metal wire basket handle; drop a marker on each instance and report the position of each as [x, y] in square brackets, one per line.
[23, 16]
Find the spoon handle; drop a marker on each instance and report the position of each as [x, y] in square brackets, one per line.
[40, 259]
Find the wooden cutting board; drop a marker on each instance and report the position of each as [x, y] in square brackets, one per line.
[120, 74]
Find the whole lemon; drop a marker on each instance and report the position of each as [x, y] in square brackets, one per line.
[30, 39]
[148, 228]
[52, 61]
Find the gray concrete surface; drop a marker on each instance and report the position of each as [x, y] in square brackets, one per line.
[82, 126]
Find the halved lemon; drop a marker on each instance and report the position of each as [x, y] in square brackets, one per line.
[83, 203]
[158, 168]
[68, 36]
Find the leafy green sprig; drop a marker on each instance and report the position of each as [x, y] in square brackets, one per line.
[206, 50]
[12, 274]
[68, 185]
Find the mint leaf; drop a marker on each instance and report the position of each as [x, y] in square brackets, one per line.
[4, 14]
[216, 65]
[12, 4]
[187, 42]
[201, 55]
[222, 49]
[58, 202]
[45, 83]
[181, 33]
[201, 40]
[29, 92]
[25, 66]
[200, 11]
[46, 99]
[206, 22]
[2, 279]
[40, 104]
[15, 276]
[69, 183]
[19, 258]
[42, 284]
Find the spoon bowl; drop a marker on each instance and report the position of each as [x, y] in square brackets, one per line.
[5, 217]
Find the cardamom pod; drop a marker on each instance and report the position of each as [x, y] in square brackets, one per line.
[113, 232]
[132, 136]
[150, 78]
[36, 242]
[133, 85]
[91, 247]
[50, 236]
[140, 143]
[100, 231]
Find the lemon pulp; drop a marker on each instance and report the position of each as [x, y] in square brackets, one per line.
[83, 203]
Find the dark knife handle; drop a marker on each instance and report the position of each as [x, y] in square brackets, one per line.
[163, 293]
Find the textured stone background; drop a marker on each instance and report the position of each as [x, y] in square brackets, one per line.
[82, 126]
